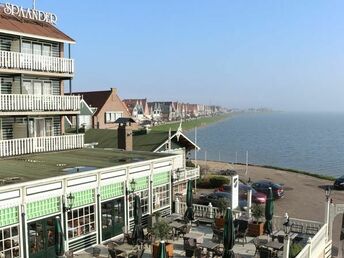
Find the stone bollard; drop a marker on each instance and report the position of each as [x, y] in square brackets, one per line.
[177, 206]
[210, 211]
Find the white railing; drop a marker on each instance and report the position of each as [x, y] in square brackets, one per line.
[205, 211]
[17, 60]
[278, 221]
[188, 173]
[40, 144]
[315, 246]
[25, 102]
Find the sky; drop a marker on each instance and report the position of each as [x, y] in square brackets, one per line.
[285, 55]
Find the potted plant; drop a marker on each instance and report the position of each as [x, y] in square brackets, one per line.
[222, 205]
[256, 228]
[161, 231]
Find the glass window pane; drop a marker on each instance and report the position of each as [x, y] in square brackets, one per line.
[27, 87]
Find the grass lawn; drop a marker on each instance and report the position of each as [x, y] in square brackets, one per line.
[190, 124]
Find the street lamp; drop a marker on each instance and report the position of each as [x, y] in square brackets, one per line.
[328, 193]
[70, 202]
[286, 223]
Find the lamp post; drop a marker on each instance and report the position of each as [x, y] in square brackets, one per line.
[327, 209]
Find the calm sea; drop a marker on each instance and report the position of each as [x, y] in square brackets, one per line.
[312, 142]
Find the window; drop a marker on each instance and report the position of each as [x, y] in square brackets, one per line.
[111, 117]
[9, 242]
[144, 202]
[81, 221]
[161, 196]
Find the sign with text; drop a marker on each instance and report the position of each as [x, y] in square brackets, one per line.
[32, 14]
[235, 191]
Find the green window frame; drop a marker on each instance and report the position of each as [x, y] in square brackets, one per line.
[83, 198]
[161, 178]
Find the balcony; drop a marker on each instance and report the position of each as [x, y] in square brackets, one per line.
[188, 174]
[22, 146]
[37, 63]
[23, 102]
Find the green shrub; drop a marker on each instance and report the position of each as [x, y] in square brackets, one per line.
[257, 212]
[295, 248]
[218, 181]
[212, 181]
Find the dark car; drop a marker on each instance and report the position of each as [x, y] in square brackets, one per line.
[257, 197]
[263, 187]
[214, 198]
[339, 183]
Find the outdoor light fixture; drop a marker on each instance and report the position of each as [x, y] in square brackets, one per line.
[70, 202]
[328, 193]
[176, 175]
[132, 186]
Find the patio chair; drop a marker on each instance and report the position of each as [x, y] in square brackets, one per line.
[96, 252]
[296, 228]
[265, 252]
[217, 235]
[69, 254]
[112, 253]
[183, 231]
[138, 254]
[242, 233]
[258, 243]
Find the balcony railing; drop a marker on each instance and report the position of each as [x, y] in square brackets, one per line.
[22, 61]
[24, 102]
[187, 174]
[40, 144]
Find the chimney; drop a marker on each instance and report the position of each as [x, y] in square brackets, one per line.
[114, 90]
[125, 133]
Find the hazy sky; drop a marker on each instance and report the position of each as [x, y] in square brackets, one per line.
[287, 55]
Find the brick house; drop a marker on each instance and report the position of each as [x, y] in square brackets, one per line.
[109, 108]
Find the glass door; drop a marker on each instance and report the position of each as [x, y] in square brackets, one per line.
[39, 127]
[41, 238]
[38, 88]
[112, 218]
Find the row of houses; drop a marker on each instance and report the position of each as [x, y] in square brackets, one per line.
[100, 109]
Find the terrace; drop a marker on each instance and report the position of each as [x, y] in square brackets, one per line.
[309, 235]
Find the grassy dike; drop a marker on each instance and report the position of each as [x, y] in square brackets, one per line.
[289, 170]
[190, 124]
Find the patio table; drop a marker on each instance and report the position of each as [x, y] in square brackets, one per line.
[197, 236]
[209, 245]
[126, 249]
[280, 234]
[173, 217]
[274, 245]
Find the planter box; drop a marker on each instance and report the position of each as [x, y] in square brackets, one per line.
[169, 250]
[219, 222]
[255, 230]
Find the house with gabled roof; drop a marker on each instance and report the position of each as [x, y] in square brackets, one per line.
[138, 109]
[108, 107]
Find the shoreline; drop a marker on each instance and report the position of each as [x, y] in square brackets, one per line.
[292, 170]
[193, 123]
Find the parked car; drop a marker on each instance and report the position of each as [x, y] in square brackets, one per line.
[257, 197]
[339, 183]
[214, 198]
[262, 186]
